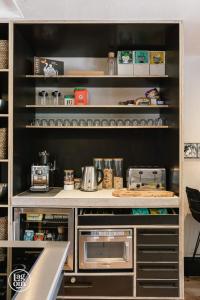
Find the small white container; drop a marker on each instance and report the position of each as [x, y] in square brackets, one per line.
[157, 63]
[141, 63]
[125, 63]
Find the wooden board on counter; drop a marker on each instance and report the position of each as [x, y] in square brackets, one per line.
[139, 193]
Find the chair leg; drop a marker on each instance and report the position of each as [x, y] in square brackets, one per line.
[196, 246]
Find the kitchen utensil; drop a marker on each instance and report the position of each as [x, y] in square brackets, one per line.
[90, 178]
[128, 193]
[99, 164]
[3, 106]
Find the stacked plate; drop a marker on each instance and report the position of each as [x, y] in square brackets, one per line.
[3, 54]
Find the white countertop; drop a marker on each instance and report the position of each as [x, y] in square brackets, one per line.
[77, 198]
[46, 272]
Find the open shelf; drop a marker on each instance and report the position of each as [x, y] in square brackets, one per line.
[3, 160]
[94, 76]
[100, 127]
[99, 106]
[4, 70]
[4, 115]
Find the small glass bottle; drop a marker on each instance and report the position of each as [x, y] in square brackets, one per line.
[108, 174]
[118, 173]
[111, 63]
[69, 180]
[99, 164]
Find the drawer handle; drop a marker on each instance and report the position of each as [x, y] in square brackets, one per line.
[158, 269]
[158, 286]
[83, 286]
[158, 251]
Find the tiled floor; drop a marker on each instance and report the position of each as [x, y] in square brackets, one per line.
[192, 288]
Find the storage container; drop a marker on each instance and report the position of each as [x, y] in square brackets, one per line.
[141, 63]
[125, 63]
[157, 63]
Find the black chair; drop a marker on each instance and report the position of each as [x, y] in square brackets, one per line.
[194, 204]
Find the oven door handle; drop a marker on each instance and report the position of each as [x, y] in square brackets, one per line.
[127, 250]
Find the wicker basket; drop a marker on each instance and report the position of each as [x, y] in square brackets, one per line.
[3, 228]
[3, 143]
[3, 54]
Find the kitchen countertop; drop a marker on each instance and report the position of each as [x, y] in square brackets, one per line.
[76, 198]
[45, 275]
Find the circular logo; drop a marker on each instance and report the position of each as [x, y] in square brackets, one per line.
[19, 280]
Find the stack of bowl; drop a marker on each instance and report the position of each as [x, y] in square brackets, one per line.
[3, 54]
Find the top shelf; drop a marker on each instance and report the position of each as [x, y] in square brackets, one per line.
[4, 70]
[93, 76]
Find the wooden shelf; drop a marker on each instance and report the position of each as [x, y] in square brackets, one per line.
[92, 76]
[99, 106]
[4, 115]
[4, 70]
[99, 127]
[3, 274]
[3, 160]
[3, 205]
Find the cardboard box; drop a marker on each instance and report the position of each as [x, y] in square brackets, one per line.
[157, 63]
[125, 63]
[141, 62]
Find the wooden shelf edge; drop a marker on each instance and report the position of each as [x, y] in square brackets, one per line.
[98, 106]
[99, 127]
[4, 70]
[3, 160]
[94, 76]
[4, 115]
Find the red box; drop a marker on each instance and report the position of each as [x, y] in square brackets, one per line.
[81, 96]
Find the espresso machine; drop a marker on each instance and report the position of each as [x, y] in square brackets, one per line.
[40, 173]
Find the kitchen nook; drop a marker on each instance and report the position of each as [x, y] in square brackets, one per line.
[94, 129]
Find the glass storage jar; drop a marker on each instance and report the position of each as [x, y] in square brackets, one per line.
[99, 164]
[118, 173]
[108, 174]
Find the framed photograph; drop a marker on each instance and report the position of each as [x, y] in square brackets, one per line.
[191, 150]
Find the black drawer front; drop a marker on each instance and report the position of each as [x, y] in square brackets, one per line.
[157, 288]
[128, 220]
[158, 236]
[157, 271]
[97, 286]
[157, 253]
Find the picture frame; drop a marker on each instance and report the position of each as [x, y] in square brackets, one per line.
[191, 150]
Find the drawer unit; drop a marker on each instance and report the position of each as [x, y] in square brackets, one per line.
[97, 286]
[158, 236]
[127, 219]
[157, 288]
[153, 253]
[157, 271]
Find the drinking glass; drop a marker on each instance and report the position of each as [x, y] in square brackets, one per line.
[89, 122]
[112, 122]
[120, 123]
[59, 122]
[51, 122]
[82, 123]
[142, 122]
[128, 122]
[150, 122]
[66, 123]
[104, 122]
[97, 123]
[74, 122]
[37, 122]
[44, 122]
[134, 122]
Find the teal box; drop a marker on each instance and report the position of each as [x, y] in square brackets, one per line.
[141, 57]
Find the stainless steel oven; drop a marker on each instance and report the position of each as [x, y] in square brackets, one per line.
[106, 249]
[50, 224]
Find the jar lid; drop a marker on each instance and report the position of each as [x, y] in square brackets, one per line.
[111, 54]
[69, 96]
[108, 159]
[97, 158]
[68, 170]
[120, 158]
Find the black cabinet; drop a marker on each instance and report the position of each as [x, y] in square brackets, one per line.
[157, 262]
[113, 286]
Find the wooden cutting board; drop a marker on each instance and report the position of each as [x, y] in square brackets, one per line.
[127, 193]
[85, 73]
